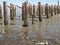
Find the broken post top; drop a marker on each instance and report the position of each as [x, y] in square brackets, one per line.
[12, 5]
[40, 5]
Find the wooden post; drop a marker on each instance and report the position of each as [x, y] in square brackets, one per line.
[33, 14]
[15, 11]
[30, 9]
[34, 10]
[59, 9]
[12, 11]
[51, 10]
[0, 11]
[22, 11]
[42, 9]
[11, 15]
[5, 13]
[46, 10]
[39, 11]
[55, 9]
[25, 15]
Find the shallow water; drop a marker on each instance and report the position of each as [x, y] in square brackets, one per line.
[47, 30]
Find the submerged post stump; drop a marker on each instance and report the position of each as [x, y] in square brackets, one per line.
[12, 11]
[25, 15]
[0, 11]
[5, 13]
[46, 10]
[39, 11]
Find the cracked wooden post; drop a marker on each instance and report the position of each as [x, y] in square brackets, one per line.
[46, 10]
[5, 13]
[51, 10]
[0, 11]
[55, 9]
[33, 15]
[12, 11]
[39, 11]
[25, 15]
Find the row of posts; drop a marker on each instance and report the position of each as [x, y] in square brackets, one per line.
[49, 10]
[5, 12]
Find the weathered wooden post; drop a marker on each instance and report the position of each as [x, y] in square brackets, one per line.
[33, 14]
[51, 10]
[25, 15]
[34, 10]
[15, 11]
[12, 11]
[5, 13]
[39, 11]
[0, 11]
[55, 9]
[59, 9]
[42, 9]
[22, 11]
[30, 9]
[46, 10]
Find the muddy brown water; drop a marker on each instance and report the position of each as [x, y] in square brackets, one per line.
[15, 33]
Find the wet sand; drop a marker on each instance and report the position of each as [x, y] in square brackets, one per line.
[16, 34]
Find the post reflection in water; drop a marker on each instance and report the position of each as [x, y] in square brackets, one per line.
[35, 32]
[25, 31]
